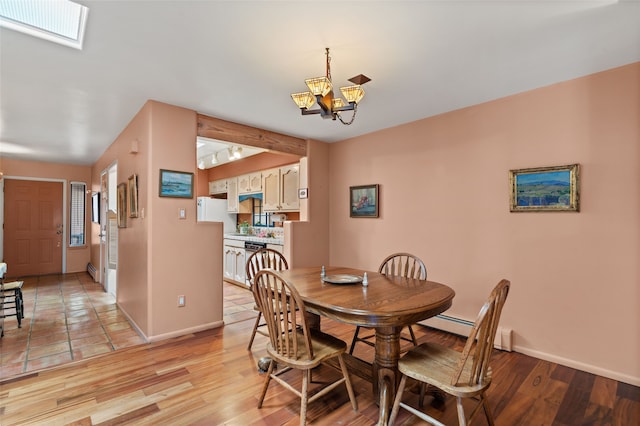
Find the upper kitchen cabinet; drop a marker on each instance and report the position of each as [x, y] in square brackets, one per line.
[218, 187]
[250, 183]
[280, 189]
[232, 195]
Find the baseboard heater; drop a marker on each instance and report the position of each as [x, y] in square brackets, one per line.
[463, 327]
[92, 271]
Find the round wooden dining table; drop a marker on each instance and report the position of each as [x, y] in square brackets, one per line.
[386, 304]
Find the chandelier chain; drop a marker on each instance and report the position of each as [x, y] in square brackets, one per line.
[328, 64]
[353, 117]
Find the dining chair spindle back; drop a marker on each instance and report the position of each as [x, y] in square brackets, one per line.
[292, 343]
[259, 260]
[398, 265]
[465, 374]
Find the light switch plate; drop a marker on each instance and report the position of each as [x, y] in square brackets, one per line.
[182, 213]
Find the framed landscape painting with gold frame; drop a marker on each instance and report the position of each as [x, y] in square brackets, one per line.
[545, 189]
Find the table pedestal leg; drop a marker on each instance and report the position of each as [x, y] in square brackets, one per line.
[385, 369]
[313, 320]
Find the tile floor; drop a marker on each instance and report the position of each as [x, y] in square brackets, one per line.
[69, 317]
[66, 317]
[238, 304]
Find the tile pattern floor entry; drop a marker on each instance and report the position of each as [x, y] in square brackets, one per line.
[66, 317]
[69, 317]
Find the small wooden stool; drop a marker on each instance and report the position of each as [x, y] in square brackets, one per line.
[11, 298]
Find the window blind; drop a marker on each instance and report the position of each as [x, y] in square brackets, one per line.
[77, 217]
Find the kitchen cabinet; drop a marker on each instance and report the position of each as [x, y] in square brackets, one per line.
[234, 261]
[250, 183]
[218, 187]
[232, 195]
[280, 189]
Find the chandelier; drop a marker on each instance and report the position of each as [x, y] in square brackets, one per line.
[321, 91]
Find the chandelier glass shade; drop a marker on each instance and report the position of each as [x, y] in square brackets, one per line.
[321, 92]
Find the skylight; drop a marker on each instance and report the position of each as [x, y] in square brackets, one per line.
[60, 21]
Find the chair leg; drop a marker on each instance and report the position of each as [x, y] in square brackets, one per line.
[304, 397]
[396, 403]
[462, 420]
[255, 330]
[266, 383]
[413, 336]
[487, 409]
[423, 391]
[347, 382]
[19, 307]
[354, 340]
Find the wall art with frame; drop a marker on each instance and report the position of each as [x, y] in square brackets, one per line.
[122, 205]
[363, 201]
[545, 189]
[132, 189]
[176, 184]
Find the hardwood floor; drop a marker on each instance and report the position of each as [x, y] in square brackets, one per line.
[209, 378]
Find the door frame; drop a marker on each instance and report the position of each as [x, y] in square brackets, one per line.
[104, 269]
[64, 214]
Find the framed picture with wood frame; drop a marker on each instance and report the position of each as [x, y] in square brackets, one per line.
[545, 189]
[363, 201]
[132, 189]
[122, 205]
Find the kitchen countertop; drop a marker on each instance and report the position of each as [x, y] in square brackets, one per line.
[244, 237]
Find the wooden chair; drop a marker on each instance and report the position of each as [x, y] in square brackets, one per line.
[399, 265]
[262, 259]
[292, 343]
[463, 374]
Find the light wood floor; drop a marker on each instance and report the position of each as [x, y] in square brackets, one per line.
[209, 378]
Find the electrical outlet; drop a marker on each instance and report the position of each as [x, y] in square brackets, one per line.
[180, 301]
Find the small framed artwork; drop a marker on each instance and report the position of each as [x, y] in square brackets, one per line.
[95, 207]
[122, 205]
[545, 189]
[176, 184]
[363, 201]
[132, 189]
[303, 193]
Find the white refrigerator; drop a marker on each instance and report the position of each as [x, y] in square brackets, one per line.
[215, 210]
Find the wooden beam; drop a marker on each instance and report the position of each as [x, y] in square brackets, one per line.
[215, 128]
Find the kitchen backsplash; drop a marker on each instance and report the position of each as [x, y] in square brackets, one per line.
[263, 231]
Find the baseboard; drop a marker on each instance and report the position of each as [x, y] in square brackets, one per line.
[615, 375]
[462, 327]
[184, 331]
[133, 323]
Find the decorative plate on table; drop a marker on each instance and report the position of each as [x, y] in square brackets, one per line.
[342, 279]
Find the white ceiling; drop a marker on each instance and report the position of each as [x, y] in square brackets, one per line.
[240, 60]
[213, 153]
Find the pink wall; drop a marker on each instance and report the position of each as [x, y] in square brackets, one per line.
[160, 256]
[444, 196]
[77, 257]
[185, 256]
[133, 285]
[307, 241]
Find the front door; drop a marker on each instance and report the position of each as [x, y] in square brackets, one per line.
[33, 227]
